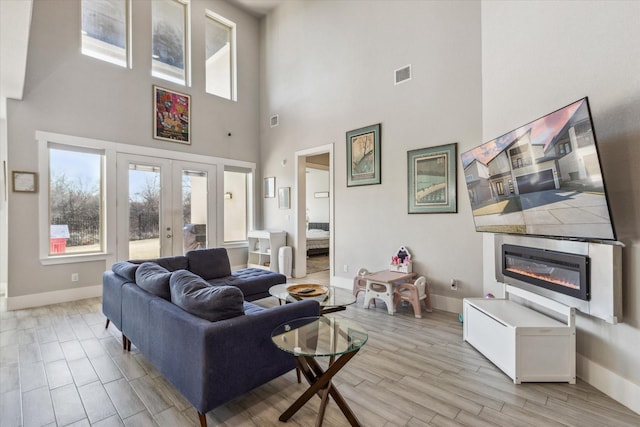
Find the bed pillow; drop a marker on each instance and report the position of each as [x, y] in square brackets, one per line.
[154, 278]
[194, 295]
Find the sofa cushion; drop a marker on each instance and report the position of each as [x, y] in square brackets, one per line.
[250, 308]
[171, 263]
[194, 295]
[154, 278]
[211, 263]
[252, 282]
[125, 269]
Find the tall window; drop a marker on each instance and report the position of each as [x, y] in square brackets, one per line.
[195, 209]
[75, 201]
[105, 30]
[220, 34]
[170, 42]
[237, 191]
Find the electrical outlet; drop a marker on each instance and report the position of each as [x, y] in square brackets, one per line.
[346, 268]
[75, 277]
[454, 285]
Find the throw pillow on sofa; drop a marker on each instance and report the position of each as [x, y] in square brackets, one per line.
[211, 263]
[154, 278]
[125, 269]
[194, 295]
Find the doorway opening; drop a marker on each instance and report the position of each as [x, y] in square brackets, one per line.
[314, 218]
[317, 213]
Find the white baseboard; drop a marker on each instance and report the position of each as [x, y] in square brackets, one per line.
[53, 297]
[608, 382]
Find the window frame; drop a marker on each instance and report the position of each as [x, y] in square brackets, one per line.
[109, 194]
[107, 212]
[249, 211]
[209, 14]
[128, 40]
[187, 47]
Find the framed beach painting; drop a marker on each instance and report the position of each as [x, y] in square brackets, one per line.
[363, 156]
[432, 179]
[172, 115]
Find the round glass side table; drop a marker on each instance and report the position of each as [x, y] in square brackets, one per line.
[310, 337]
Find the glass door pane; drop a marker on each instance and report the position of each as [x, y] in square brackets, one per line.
[194, 209]
[144, 211]
[166, 208]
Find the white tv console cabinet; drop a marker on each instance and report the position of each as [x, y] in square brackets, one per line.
[525, 344]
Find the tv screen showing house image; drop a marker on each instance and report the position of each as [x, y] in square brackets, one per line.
[543, 178]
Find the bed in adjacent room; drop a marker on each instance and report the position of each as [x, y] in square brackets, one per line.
[318, 238]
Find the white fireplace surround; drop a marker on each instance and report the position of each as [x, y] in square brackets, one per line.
[605, 273]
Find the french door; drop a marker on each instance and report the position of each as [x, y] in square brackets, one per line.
[164, 207]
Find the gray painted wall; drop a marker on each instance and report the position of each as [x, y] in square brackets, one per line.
[539, 56]
[327, 68]
[68, 93]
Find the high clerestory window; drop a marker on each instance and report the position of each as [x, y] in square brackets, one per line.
[220, 35]
[106, 30]
[170, 40]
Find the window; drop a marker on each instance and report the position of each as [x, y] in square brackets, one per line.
[170, 40]
[563, 148]
[237, 193]
[195, 209]
[500, 188]
[75, 201]
[105, 30]
[220, 34]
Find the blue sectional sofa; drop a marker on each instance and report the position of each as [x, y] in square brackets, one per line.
[204, 336]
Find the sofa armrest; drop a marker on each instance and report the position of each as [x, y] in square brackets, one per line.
[213, 362]
[112, 297]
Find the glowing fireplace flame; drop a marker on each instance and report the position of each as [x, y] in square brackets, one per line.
[546, 277]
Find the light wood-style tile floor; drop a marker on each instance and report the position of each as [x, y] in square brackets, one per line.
[59, 366]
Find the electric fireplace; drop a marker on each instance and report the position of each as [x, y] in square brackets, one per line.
[557, 271]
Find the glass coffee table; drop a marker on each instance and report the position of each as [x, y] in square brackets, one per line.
[310, 337]
[335, 299]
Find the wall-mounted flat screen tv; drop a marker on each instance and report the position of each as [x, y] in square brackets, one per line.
[543, 179]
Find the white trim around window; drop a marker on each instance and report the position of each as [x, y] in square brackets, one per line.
[110, 150]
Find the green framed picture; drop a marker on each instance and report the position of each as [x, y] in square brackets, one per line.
[363, 156]
[432, 179]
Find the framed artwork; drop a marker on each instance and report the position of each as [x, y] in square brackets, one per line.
[363, 156]
[25, 182]
[269, 187]
[284, 197]
[172, 115]
[432, 179]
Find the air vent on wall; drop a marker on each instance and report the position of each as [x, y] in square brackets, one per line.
[403, 74]
[274, 120]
